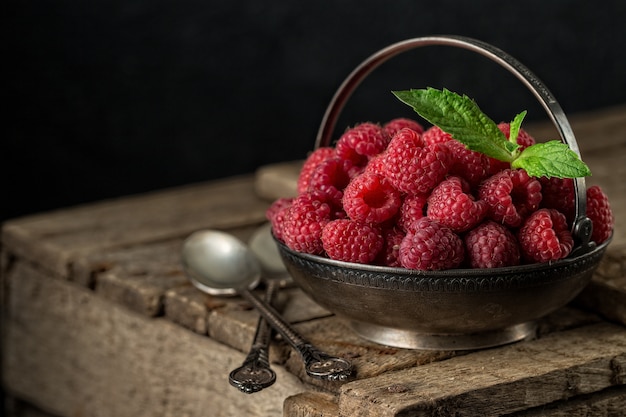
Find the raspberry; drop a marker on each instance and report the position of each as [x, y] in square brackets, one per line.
[375, 165]
[351, 241]
[393, 126]
[491, 245]
[494, 166]
[600, 214]
[524, 139]
[303, 222]
[310, 164]
[434, 134]
[361, 142]
[451, 205]
[370, 198]
[412, 209]
[330, 178]
[558, 193]
[413, 168]
[468, 164]
[431, 246]
[545, 236]
[276, 215]
[511, 195]
[388, 255]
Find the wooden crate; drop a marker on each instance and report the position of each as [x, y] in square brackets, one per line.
[99, 320]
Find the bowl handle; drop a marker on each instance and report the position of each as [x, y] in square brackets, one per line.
[582, 226]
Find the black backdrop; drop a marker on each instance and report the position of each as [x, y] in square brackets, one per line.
[114, 97]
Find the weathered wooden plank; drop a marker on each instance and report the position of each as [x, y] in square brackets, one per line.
[55, 240]
[187, 307]
[139, 276]
[606, 293]
[497, 381]
[608, 403]
[311, 404]
[70, 353]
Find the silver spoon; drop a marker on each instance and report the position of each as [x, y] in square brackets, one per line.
[219, 263]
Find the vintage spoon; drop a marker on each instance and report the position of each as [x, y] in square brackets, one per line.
[219, 263]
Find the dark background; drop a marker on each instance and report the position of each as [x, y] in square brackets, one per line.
[113, 97]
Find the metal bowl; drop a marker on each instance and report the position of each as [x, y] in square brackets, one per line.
[450, 310]
[453, 309]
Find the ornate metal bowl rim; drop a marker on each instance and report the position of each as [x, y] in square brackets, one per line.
[462, 280]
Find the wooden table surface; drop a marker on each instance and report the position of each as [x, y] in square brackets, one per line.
[99, 319]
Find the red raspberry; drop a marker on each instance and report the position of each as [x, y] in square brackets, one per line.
[393, 126]
[558, 193]
[388, 255]
[600, 213]
[310, 164]
[276, 215]
[370, 198]
[452, 206]
[413, 168]
[511, 195]
[491, 245]
[350, 241]
[495, 166]
[361, 142]
[375, 165]
[524, 139]
[434, 134]
[468, 164]
[431, 246]
[413, 208]
[303, 223]
[330, 178]
[545, 236]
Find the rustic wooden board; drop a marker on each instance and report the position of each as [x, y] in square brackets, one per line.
[608, 403]
[496, 382]
[606, 293]
[70, 352]
[56, 240]
[311, 404]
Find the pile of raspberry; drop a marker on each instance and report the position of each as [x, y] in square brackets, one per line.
[401, 196]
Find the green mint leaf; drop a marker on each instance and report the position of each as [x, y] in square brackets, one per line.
[551, 159]
[461, 117]
[516, 125]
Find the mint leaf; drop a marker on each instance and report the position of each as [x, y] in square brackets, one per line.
[461, 117]
[551, 159]
[515, 126]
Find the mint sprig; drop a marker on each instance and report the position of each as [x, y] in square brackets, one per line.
[461, 117]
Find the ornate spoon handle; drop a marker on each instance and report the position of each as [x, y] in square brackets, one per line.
[255, 372]
[317, 363]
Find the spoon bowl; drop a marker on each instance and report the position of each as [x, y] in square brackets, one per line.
[219, 264]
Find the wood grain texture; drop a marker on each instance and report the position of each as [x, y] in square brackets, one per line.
[500, 381]
[73, 353]
[56, 240]
[311, 404]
